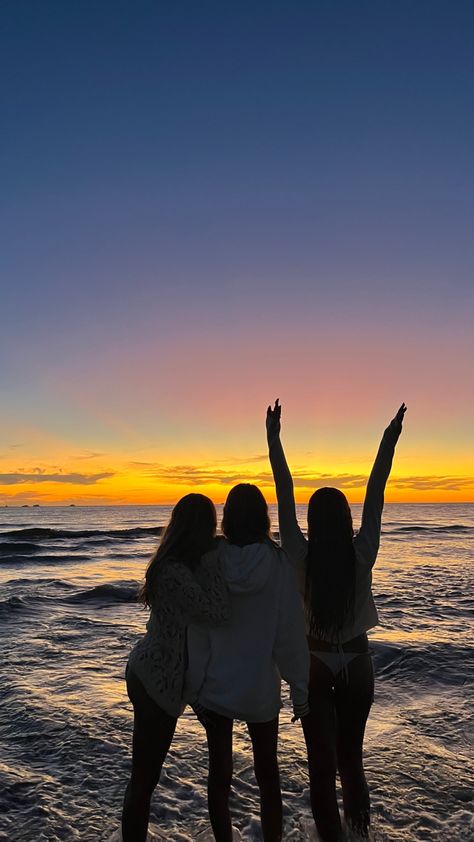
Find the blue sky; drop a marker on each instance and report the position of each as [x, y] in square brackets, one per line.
[181, 176]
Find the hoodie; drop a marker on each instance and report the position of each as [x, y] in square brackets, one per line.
[236, 670]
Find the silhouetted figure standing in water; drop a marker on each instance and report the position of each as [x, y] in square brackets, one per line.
[335, 577]
[235, 671]
[180, 588]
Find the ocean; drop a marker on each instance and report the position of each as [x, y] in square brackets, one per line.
[68, 579]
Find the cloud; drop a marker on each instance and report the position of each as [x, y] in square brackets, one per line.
[214, 475]
[430, 483]
[191, 475]
[231, 460]
[39, 475]
[303, 479]
[211, 475]
[90, 454]
[201, 475]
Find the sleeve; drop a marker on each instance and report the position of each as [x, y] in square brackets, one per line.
[199, 652]
[203, 597]
[367, 540]
[290, 650]
[291, 537]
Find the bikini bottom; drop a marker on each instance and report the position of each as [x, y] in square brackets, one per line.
[336, 657]
[336, 661]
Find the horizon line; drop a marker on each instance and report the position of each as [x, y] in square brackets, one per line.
[155, 505]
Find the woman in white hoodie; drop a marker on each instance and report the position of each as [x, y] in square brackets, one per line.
[235, 671]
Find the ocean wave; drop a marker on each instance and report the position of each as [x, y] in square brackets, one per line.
[43, 559]
[455, 527]
[430, 664]
[22, 547]
[41, 583]
[16, 604]
[40, 532]
[107, 593]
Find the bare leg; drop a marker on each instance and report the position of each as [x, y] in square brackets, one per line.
[264, 736]
[353, 702]
[219, 741]
[153, 731]
[319, 729]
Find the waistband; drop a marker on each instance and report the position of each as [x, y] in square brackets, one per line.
[359, 644]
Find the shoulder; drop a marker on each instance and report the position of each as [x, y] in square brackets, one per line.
[364, 553]
[285, 566]
[173, 571]
[218, 546]
[276, 552]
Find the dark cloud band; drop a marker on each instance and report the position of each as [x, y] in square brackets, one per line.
[210, 475]
[67, 479]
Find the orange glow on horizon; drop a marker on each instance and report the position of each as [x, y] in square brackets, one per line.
[165, 484]
[50, 470]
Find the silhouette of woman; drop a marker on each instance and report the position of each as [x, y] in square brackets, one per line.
[180, 587]
[335, 577]
[235, 671]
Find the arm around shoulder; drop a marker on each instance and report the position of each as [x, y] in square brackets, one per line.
[204, 597]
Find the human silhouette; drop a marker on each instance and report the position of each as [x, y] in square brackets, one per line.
[334, 568]
[235, 670]
[182, 585]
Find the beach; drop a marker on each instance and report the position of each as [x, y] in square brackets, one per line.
[68, 579]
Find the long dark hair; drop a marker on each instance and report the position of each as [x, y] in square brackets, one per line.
[187, 537]
[330, 564]
[246, 519]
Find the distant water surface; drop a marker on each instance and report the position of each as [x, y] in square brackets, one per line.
[68, 579]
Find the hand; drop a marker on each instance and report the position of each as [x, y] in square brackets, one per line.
[300, 711]
[273, 421]
[397, 422]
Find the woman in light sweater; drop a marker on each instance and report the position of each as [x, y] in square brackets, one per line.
[180, 587]
[334, 569]
[235, 671]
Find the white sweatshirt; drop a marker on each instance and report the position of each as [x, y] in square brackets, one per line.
[366, 542]
[236, 670]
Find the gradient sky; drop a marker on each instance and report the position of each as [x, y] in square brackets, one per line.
[208, 205]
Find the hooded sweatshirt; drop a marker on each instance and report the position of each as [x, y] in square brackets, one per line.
[236, 670]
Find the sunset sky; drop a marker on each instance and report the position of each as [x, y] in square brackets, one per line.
[205, 206]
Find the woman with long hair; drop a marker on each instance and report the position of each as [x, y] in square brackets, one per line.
[334, 568]
[235, 671]
[183, 584]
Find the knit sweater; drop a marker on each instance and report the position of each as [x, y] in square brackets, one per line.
[236, 670]
[366, 542]
[179, 598]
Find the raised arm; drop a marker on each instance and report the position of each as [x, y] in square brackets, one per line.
[368, 538]
[204, 598]
[291, 536]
